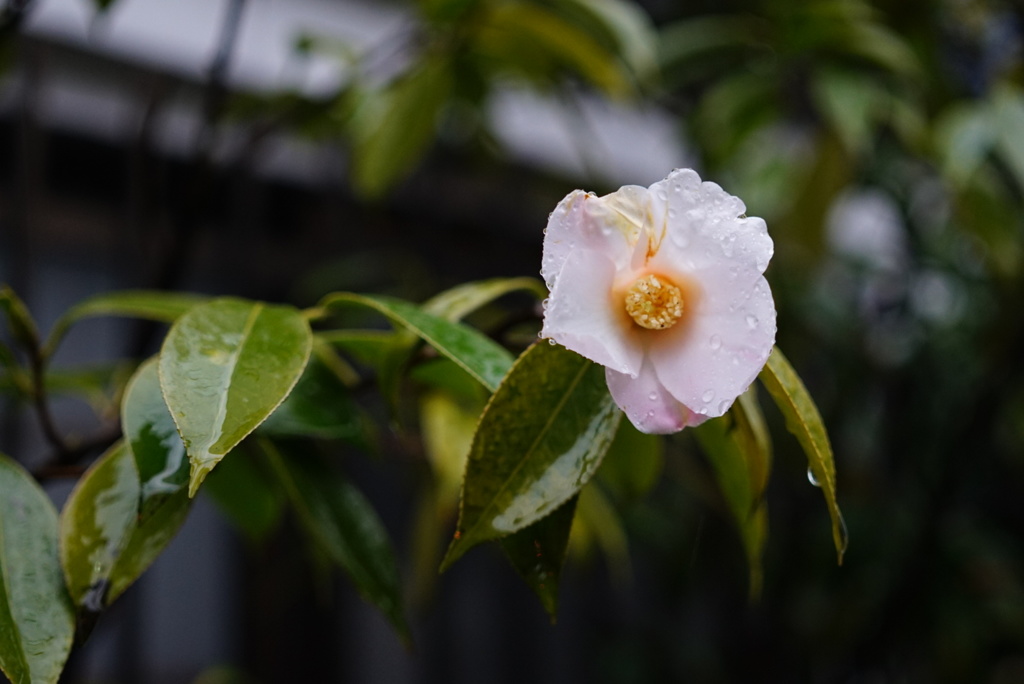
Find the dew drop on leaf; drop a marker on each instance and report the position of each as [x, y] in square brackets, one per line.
[812, 479]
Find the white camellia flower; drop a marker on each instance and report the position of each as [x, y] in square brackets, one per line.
[663, 286]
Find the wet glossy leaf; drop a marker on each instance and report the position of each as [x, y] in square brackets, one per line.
[538, 553]
[477, 354]
[106, 540]
[344, 525]
[37, 620]
[224, 367]
[804, 421]
[153, 439]
[152, 305]
[739, 457]
[541, 438]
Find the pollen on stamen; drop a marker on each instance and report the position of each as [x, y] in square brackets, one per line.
[654, 303]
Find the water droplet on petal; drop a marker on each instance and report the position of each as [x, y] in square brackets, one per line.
[723, 406]
[653, 396]
[751, 321]
[708, 396]
[812, 479]
[551, 342]
[715, 342]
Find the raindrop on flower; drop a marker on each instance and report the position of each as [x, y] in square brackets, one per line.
[653, 396]
[751, 321]
[708, 396]
[715, 342]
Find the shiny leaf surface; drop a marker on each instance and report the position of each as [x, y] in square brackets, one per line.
[224, 367]
[804, 421]
[153, 439]
[477, 354]
[344, 525]
[37, 621]
[541, 438]
[106, 540]
[538, 553]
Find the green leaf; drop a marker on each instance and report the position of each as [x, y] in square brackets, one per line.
[248, 494]
[448, 425]
[107, 541]
[477, 354]
[461, 300]
[541, 438]
[224, 367]
[630, 28]
[736, 447]
[851, 102]
[153, 440]
[804, 421]
[320, 406]
[533, 40]
[401, 134]
[37, 620]
[130, 503]
[23, 327]
[163, 307]
[342, 522]
[370, 347]
[538, 553]
[101, 386]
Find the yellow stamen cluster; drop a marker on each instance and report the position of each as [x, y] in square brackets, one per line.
[654, 303]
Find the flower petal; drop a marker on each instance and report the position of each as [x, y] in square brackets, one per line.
[583, 221]
[707, 238]
[714, 357]
[647, 404]
[581, 315]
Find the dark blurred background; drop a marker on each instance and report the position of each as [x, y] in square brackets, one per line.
[283, 149]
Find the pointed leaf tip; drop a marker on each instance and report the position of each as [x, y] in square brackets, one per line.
[225, 366]
[540, 439]
[804, 421]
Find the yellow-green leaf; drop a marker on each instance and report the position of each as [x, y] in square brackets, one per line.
[804, 421]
